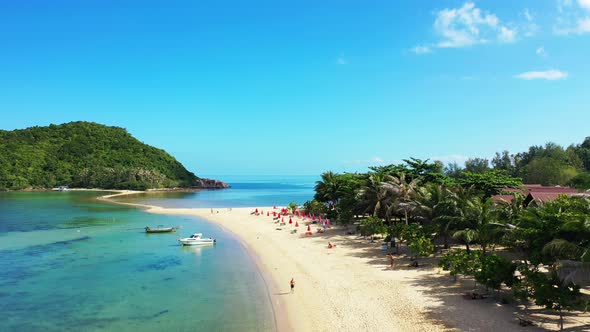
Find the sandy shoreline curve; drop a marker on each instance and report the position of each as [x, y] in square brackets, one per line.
[350, 287]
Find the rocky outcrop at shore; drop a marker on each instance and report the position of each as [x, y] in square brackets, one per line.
[211, 184]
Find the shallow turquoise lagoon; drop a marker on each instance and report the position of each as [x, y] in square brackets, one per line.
[71, 263]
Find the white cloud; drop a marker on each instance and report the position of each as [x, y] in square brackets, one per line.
[550, 75]
[468, 25]
[463, 26]
[421, 49]
[581, 26]
[540, 51]
[562, 5]
[527, 14]
[529, 27]
[341, 61]
[572, 20]
[506, 35]
[585, 4]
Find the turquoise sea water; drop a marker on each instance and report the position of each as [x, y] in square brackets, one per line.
[71, 263]
[245, 191]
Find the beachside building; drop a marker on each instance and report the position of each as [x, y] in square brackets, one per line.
[536, 193]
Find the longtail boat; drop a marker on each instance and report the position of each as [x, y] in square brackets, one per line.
[160, 229]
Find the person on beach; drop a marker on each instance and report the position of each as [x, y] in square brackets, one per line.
[292, 285]
[391, 258]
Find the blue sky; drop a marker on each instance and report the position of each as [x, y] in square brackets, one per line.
[299, 87]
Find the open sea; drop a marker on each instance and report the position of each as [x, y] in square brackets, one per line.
[71, 263]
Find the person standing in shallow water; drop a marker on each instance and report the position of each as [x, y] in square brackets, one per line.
[292, 285]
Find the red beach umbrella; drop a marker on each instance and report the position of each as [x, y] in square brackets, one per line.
[274, 214]
[267, 214]
[256, 210]
[296, 224]
[308, 228]
[290, 221]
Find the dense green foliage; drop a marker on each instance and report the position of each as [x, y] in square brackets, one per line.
[461, 262]
[420, 202]
[85, 154]
[547, 165]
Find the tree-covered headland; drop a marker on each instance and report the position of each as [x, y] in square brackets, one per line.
[88, 155]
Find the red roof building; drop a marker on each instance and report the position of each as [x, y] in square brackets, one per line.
[535, 192]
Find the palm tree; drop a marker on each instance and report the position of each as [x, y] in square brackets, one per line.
[402, 194]
[328, 189]
[436, 204]
[373, 197]
[477, 221]
[510, 211]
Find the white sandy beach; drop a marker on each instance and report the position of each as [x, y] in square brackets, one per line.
[351, 287]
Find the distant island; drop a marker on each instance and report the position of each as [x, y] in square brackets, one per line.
[88, 155]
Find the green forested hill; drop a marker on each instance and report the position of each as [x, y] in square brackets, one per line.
[85, 154]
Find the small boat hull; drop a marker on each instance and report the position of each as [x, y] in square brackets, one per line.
[191, 242]
[160, 230]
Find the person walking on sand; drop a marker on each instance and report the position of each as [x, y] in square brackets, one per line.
[391, 258]
[292, 285]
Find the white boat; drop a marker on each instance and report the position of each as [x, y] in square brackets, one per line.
[196, 239]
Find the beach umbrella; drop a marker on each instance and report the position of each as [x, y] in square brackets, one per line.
[274, 214]
[290, 221]
[296, 224]
[274, 206]
[256, 210]
[267, 214]
[308, 228]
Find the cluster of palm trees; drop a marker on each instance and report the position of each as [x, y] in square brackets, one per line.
[463, 214]
[541, 234]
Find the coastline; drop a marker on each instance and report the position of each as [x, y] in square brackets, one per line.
[279, 308]
[350, 287]
[324, 298]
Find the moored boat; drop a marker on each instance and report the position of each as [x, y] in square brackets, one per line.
[196, 239]
[160, 229]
